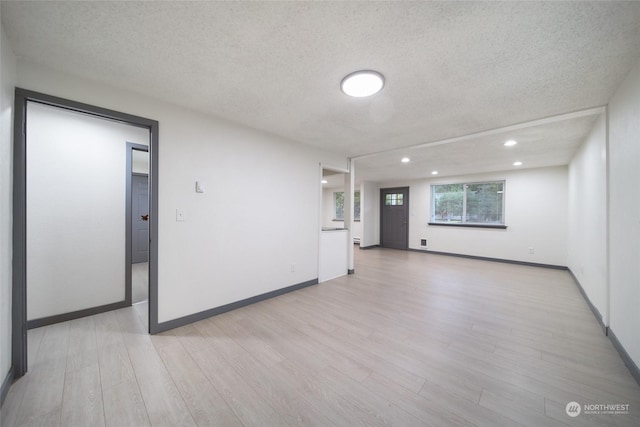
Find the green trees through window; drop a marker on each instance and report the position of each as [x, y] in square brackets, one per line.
[338, 205]
[472, 203]
[394, 199]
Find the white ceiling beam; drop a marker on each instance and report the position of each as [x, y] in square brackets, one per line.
[523, 125]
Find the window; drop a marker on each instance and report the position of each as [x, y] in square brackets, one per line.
[338, 206]
[394, 199]
[480, 203]
[356, 206]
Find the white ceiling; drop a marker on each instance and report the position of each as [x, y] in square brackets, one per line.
[451, 69]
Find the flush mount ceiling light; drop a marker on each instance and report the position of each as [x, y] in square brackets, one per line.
[324, 181]
[510, 143]
[434, 173]
[362, 83]
[517, 163]
[405, 160]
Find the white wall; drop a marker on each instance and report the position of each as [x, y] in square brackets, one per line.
[370, 214]
[259, 213]
[139, 161]
[624, 213]
[7, 82]
[333, 254]
[76, 175]
[587, 237]
[535, 214]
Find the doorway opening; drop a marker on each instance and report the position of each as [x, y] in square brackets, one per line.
[51, 207]
[137, 214]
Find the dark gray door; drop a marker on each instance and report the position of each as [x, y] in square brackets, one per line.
[394, 218]
[139, 218]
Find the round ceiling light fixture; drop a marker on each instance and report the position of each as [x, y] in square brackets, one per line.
[434, 173]
[510, 143]
[405, 160]
[517, 163]
[363, 83]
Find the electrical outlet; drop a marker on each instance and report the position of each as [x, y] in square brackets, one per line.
[180, 215]
[293, 268]
[532, 251]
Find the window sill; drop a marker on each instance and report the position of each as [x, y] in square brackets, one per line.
[448, 224]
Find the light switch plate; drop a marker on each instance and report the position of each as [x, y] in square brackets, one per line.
[199, 187]
[180, 215]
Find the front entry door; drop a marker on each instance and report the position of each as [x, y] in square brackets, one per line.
[394, 218]
[139, 218]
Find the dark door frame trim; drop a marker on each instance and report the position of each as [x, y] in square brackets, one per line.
[129, 222]
[19, 264]
[403, 189]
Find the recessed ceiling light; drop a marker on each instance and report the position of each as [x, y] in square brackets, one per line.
[405, 160]
[362, 83]
[510, 143]
[434, 173]
[517, 163]
[324, 181]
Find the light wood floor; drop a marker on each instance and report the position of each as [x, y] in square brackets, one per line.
[139, 282]
[409, 340]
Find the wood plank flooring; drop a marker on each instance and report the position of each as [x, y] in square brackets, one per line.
[410, 340]
[139, 282]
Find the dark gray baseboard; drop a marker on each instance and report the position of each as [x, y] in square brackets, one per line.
[181, 321]
[482, 258]
[628, 361]
[44, 321]
[593, 308]
[369, 247]
[6, 383]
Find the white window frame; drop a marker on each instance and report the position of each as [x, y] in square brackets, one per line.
[335, 206]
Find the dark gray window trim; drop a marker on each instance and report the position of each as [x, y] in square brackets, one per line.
[469, 225]
[19, 273]
[463, 224]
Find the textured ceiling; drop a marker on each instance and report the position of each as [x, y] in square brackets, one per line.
[451, 68]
